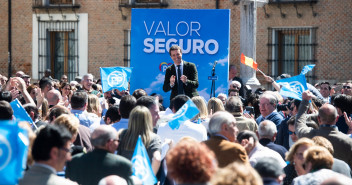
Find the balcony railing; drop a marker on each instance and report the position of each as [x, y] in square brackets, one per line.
[143, 3]
[54, 4]
[292, 1]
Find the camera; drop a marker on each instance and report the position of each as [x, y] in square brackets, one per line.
[284, 107]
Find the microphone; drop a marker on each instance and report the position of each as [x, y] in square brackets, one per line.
[214, 65]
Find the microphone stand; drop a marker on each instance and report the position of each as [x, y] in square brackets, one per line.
[213, 77]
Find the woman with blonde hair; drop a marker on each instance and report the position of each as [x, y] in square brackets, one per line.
[202, 116]
[69, 121]
[72, 124]
[94, 105]
[318, 162]
[141, 123]
[214, 105]
[295, 157]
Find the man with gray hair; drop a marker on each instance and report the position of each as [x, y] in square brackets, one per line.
[267, 107]
[87, 82]
[90, 168]
[267, 132]
[223, 130]
[255, 150]
[235, 107]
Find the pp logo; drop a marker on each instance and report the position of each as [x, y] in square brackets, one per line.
[5, 152]
[297, 87]
[163, 66]
[139, 169]
[116, 79]
[182, 111]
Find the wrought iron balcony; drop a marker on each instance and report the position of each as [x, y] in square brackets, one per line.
[54, 4]
[143, 3]
[292, 1]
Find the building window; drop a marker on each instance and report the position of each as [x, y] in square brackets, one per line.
[127, 48]
[290, 49]
[58, 48]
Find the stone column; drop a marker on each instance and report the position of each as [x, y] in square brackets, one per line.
[248, 36]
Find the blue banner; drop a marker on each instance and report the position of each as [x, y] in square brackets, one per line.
[141, 165]
[14, 147]
[307, 68]
[293, 87]
[203, 36]
[115, 78]
[186, 112]
[19, 112]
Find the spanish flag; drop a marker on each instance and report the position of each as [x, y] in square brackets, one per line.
[249, 62]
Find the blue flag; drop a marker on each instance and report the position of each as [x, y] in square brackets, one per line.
[186, 112]
[19, 112]
[115, 78]
[307, 68]
[293, 87]
[141, 165]
[14, 147]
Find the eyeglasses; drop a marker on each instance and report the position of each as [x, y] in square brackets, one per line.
[346, 87]
[67, 150]
[290, 133]
[236, 87]
[264, 104]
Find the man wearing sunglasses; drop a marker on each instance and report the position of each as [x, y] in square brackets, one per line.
[51, 150]
[347, 88]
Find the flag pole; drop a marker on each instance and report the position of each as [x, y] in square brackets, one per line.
[260, 71]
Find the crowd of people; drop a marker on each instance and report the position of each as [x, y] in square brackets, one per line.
[81, 135]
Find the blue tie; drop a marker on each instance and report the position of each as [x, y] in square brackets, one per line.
[179, 82]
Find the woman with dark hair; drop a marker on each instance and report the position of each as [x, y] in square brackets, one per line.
[33, 91]
[141, 123]
[190, 162]
[66, 92]
[343, 103]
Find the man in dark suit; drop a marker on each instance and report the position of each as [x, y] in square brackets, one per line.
[223, 130]
[327, 117]
[101, 162]
[267, 132]
[182, 76]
